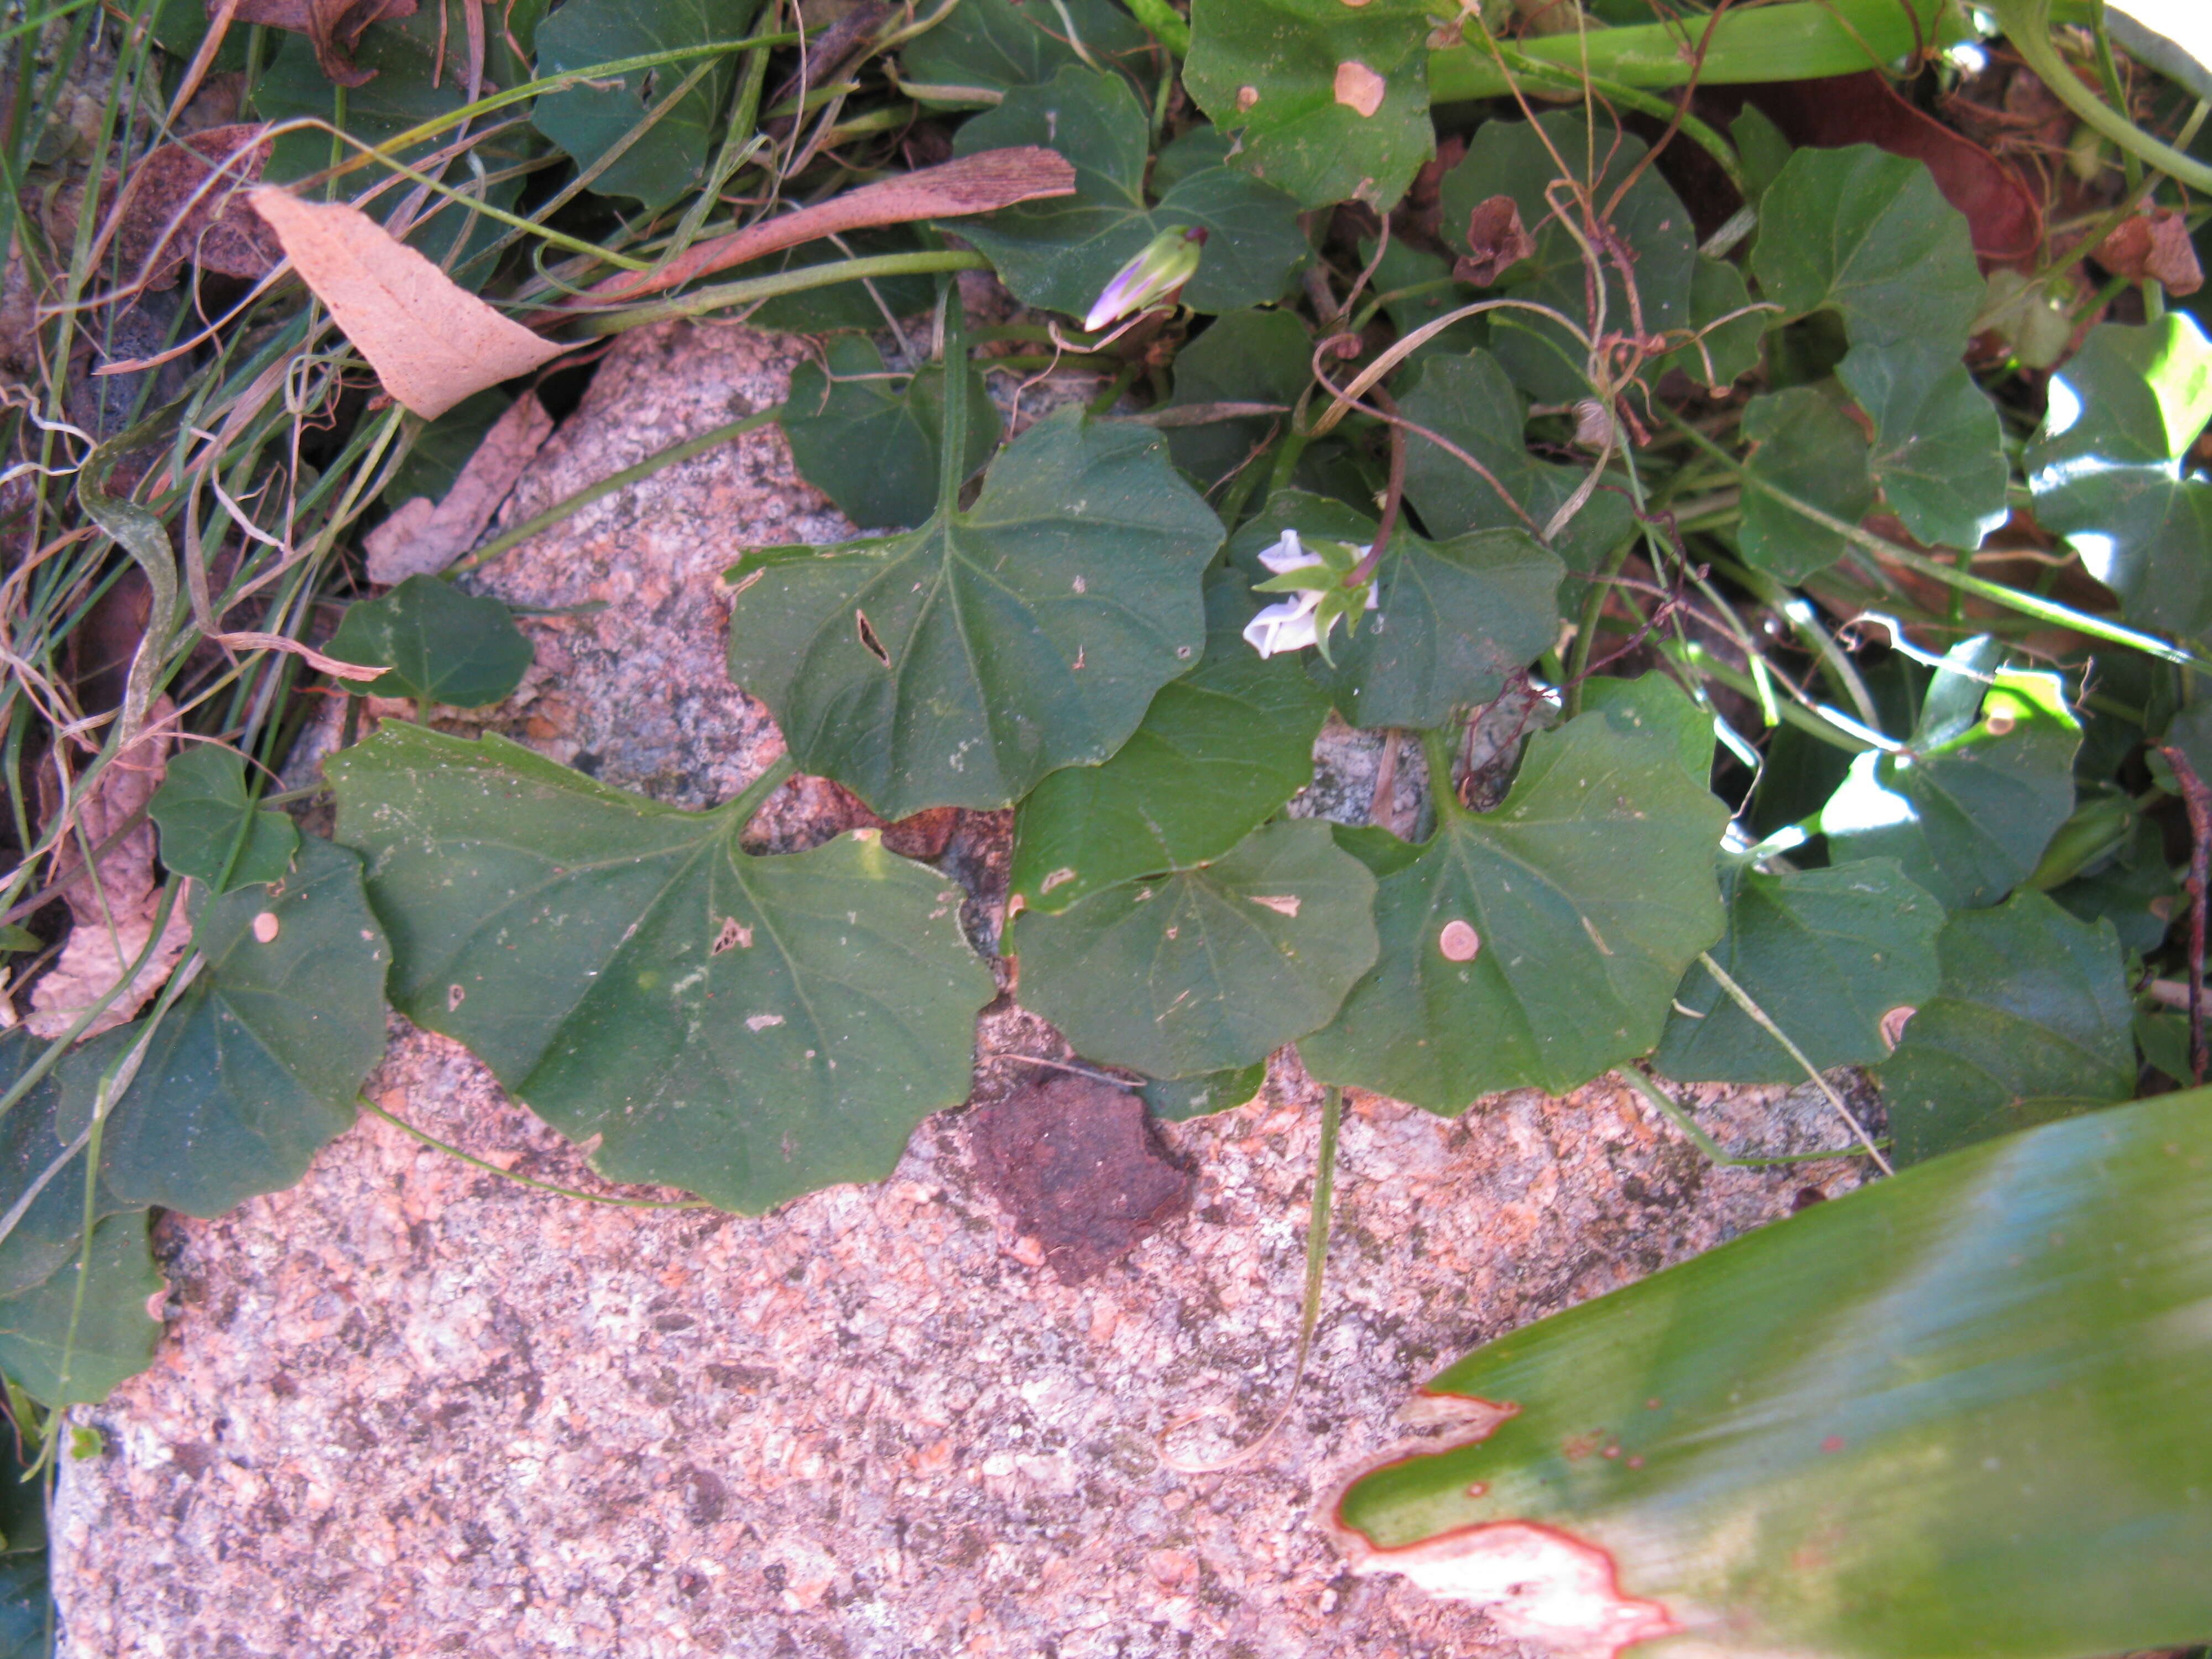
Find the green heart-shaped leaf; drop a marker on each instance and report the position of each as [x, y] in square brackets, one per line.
[870, 440]
[2031, 1022]
[1540, 944]
[1245, 357]
[1216, 753]
[959, 663]
[1061, 252]
[1825, 953]
[205, 815]
[443, 646]
[1809, 447]
[256, 1067]
[1214, 967]
[995, 46]
[747, 1028]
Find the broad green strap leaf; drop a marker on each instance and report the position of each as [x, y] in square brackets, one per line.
[1331, 101]
[256, 1067]
[114, 1337]
[1062, 252]
[1468, 401]
[958, 664]
[50, 1229]
[443, 646]
[1216, 753]
[1825, 953]
[1808, 446]
[1455, 617]
[1969, 804]
[205, 815]
[1958, 1412]
[1513, 158]
[1581, 900]
[993, 45]
[1215, 967]
[587, 120]
[2031, 1022]
[1247, 356]
[748, 1028]
[1869, 234]
[870, 440]
[2107, 468]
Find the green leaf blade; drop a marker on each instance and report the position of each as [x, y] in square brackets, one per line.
[114, 1337]
[203, 810]
[443, 646]
[873, 450]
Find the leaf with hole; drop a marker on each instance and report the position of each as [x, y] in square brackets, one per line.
[2031, 1022]
[1537, 945]
[114, 1337]
[1455, 617]
[2109, 467]
[1329, 101]
[256, 1067]
[1868, 235]
[1216, 755]
[1968, 805]
[1722, 1450]
[590, 119]
[1469, 402]
[209, 825]
[748, 1029]
[1806, 445]
[957, 664]
[443, 646]
[1216, 966]
[1828, 955]
[1061, 252]
[1515, 158]
[996, 45]
[869, 440]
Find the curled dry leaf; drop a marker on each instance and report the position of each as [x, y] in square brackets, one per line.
[2155, 244]
[335, 28]
[431, 342]
[113, 915]
[421, 538]
[1497, 241]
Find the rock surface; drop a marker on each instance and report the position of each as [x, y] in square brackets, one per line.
[414, 1407]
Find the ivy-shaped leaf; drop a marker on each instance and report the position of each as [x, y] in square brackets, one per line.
[1806, 445]
[1215, 966]
[2031, 1022]
[1538, 944]
[1245, 357]
[959, 663]
[1216, 753]
[590, 118]
[1469, 402]
[1331, 101]
[748, 1028]
[114, 1336]
[443, 646]
[995, 46]
[1061, 252]
[1968, 805]
[2109, 467]
[1514, 158]
[1825, 953]
[1454, 619]
[870, 440]
[1869, 234]
[204, 814]
[256, 1067]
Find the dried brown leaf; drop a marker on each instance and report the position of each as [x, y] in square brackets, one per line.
[174, 208]
[335, 26]
[421, 540]
[113, 905]
[1497, 241]
[2154, 244]
[431, 342]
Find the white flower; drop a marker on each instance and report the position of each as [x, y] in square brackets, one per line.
[1291, 624]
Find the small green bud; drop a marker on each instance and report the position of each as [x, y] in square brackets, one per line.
[1168, 261]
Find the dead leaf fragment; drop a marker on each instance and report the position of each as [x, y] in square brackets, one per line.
[430, 341]
[1360, 88]
[175, 209]
[113, 915]
[335, 28]
[2154, 244]
[1497, 241]
[421, 540]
